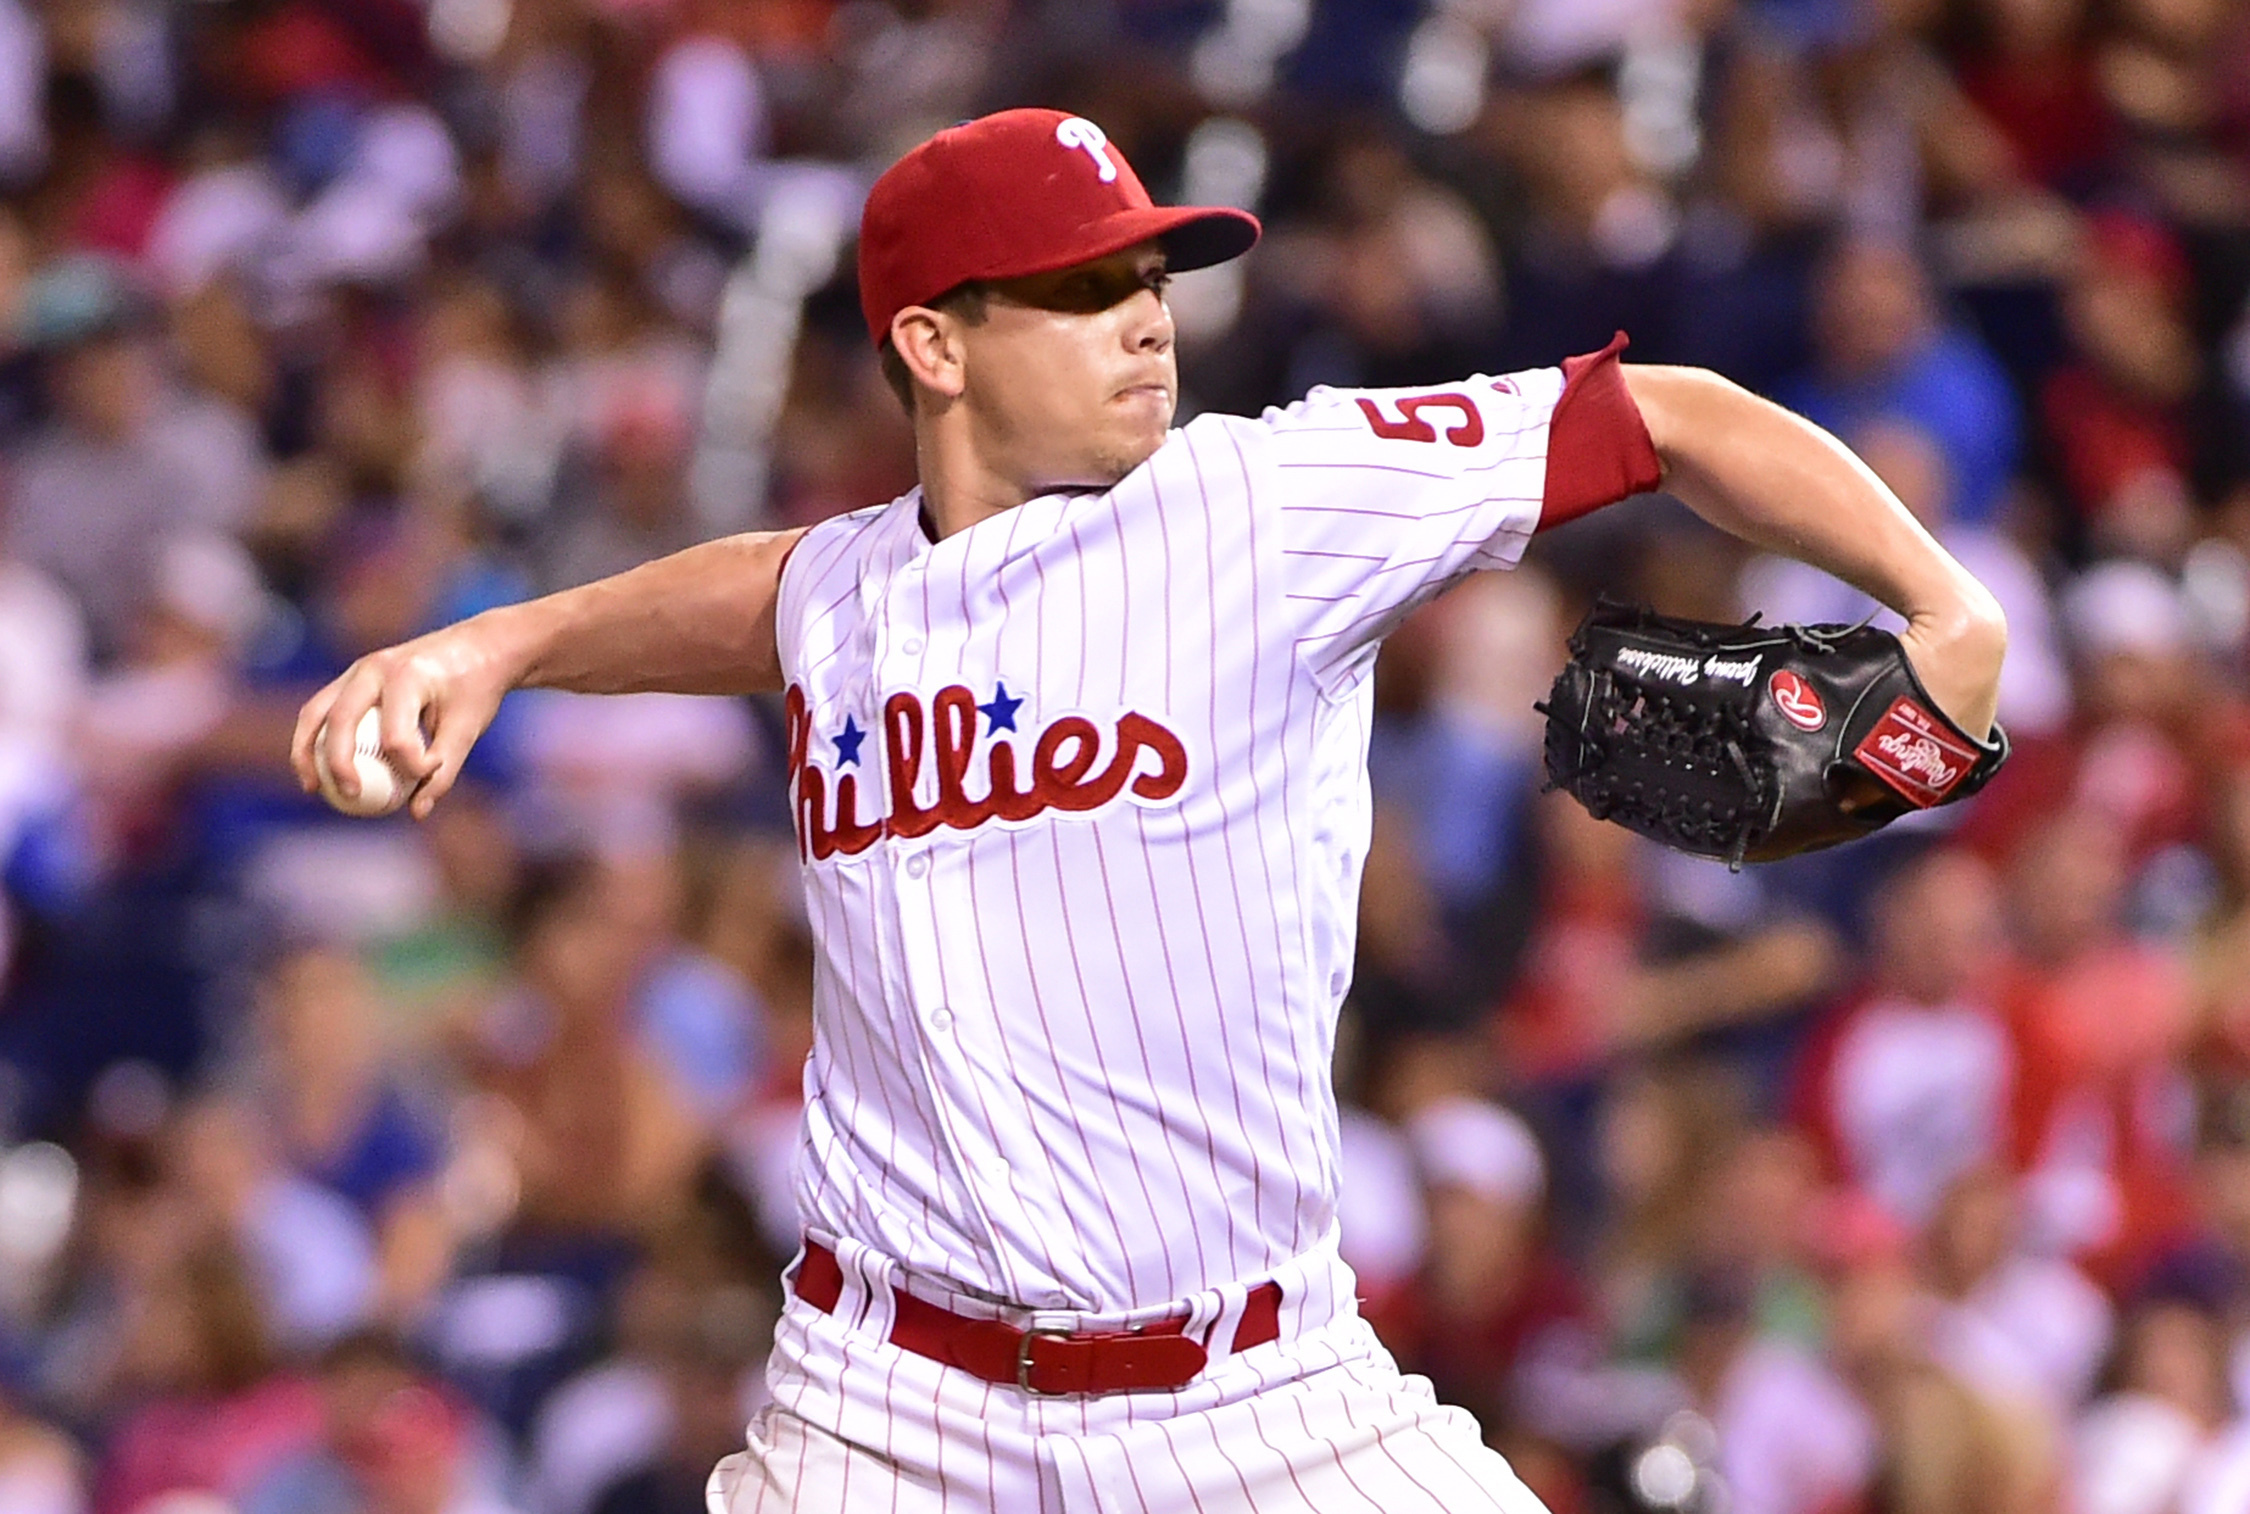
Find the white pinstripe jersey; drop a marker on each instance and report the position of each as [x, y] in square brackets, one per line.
[1081, 796]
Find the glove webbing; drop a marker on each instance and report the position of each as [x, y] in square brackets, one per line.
[1677, 764]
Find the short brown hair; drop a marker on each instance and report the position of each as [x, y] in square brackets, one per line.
[963, 300]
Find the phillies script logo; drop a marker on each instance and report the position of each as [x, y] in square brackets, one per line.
[1917, 757]
[1065, 772]
[1798, 701]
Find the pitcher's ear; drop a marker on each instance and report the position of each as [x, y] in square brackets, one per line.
[930, 347]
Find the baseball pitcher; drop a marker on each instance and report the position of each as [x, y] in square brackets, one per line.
[1077, 737]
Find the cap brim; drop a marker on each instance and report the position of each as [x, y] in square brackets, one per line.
[1203, 237]
[1192, 237]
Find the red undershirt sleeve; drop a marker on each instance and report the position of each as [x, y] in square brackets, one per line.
[1598, 447]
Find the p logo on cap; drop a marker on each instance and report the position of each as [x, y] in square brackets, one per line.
[1083, 134]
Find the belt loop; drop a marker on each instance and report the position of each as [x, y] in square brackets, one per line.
[1226, 1318]
[880, 1281]
[818, 1278]
[852, 1285]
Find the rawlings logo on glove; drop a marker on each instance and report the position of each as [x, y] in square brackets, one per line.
[1910, 749]
[1797, 700]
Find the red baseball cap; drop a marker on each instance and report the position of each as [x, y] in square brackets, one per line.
[1016, 193]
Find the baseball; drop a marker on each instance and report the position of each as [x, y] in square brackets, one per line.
[382, 787]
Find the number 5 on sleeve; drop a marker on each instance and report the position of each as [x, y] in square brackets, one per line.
[1410, 427]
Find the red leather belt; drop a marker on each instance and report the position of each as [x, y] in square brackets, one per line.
[1155, 1357]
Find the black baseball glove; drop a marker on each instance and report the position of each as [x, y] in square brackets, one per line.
[1751, 742]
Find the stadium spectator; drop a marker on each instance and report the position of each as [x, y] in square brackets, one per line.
[213, 1414]
[608, 1141]
[128, 460]
[2117, 414]
[344, 1116]
[2029, 1332]
[2097, 1019]
[1944, 1449]
[1911, 1082]
[2145, 1444]
[392, 1441]
[1885, 349]
[2030, 69]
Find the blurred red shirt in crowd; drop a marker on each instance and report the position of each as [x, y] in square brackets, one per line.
[1909, 1082]
[2102, 1114]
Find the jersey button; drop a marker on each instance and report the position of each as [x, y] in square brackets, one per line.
[911, 647]
[917, 865]
[941, 1018]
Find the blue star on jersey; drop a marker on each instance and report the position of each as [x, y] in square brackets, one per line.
[847, 743]
[1001, 711]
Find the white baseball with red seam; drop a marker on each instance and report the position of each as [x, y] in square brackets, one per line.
[382, 786]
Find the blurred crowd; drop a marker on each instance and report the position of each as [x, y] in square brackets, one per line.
[373, 1168]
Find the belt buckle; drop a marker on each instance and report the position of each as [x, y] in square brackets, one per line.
[1023, 1360]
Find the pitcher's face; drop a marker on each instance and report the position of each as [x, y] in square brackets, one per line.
[1071, 377]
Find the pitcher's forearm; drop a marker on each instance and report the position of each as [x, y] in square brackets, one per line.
[700, 621]
[1780, 482]
[1777, 480]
